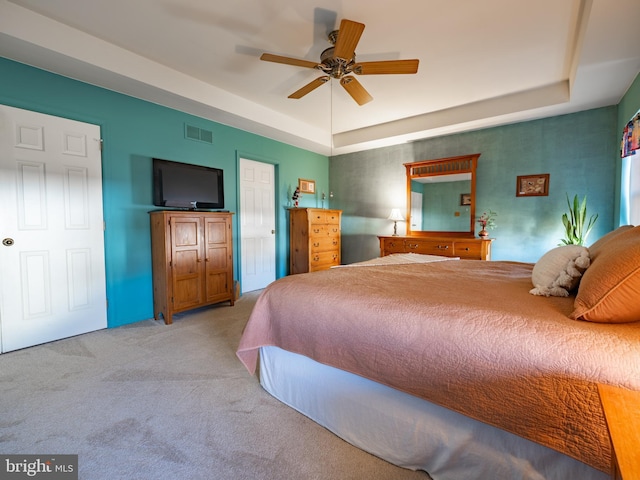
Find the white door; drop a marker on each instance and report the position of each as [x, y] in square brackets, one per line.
[258, 224]
[416, 211]
[52, 277]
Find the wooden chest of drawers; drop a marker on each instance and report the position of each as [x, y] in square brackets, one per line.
[465, 248]
[314, 239]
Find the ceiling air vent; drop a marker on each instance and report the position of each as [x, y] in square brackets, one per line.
[198, 134]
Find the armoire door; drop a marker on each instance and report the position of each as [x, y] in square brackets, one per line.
[218, 258]
[187, 261]
[52, 274]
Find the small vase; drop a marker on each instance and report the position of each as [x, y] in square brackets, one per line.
[483, 233]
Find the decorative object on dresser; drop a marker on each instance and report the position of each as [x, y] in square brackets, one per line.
[314, 239]
[465, 248]
[296, 197]
[487, 220]
[396, 217]
[192, 260]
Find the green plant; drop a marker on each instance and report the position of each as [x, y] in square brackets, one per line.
[574, 222]
[488, 220]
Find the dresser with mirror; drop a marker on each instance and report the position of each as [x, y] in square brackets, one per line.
[440, 216]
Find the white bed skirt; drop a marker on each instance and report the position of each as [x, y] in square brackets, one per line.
[408, 431]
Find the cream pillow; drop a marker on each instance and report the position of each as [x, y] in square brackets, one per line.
[559, 270]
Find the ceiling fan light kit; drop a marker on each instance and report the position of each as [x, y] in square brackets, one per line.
[339, 62]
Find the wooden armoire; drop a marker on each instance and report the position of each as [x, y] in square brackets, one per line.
[192, 260]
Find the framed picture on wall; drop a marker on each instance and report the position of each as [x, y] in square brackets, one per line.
[306, 186]
[465, 199]
[532, 185]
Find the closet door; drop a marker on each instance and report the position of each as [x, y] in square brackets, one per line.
[257, 224]
[52, 278]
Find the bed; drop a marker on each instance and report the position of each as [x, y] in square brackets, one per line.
[453, 367]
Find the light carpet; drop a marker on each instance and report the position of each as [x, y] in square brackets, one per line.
[155, 401]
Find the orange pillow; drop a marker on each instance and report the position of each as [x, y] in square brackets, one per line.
[609, 291]
[599, 245]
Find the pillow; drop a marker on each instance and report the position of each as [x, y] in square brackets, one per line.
[610, 289]
[600, 244]
[559, 270]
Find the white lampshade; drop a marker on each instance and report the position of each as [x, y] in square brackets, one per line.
[395, 215]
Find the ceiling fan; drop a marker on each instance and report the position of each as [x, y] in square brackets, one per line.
[339, 61]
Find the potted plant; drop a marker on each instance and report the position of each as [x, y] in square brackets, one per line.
[574, 223]
[487, 220]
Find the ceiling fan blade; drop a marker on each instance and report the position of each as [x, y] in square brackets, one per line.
[348, 37]
[386, 67]
[309, 87]
[268, 57]
[356, 90]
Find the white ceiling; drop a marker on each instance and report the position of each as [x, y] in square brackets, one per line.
[482, 62]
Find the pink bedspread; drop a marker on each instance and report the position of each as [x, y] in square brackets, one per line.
[466, 335]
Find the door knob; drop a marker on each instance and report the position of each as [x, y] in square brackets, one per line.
[273, 232]
[7, 242]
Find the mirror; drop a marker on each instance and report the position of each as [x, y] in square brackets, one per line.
[441, 196]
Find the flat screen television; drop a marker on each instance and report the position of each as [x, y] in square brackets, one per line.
[182, 185]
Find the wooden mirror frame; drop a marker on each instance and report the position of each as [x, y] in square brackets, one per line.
[437, 167]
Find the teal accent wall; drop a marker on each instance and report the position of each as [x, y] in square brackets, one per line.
[135, 131]
[577, 150]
